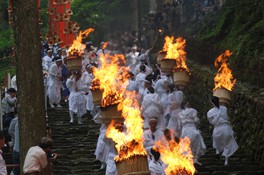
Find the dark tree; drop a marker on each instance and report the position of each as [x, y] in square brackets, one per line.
[263, 14]
[32, 121]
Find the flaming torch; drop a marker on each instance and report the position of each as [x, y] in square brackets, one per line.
[74, 60]
[129, 143]
[224, 81]
[173, 59]
[177, 156]
[108, 85]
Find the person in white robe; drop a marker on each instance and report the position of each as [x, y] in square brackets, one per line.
[131, 84]
[148, 70]
[77, 96]
[143, 59]
[161, 88]
[151, 107]
[223, 134]
[110, 163]
[47, 61]
[63, 55]
[152, 135]
[156, 166]
[87, 79]
[140, 80]
[55, 83]
[175, 100]
[102, 149]
[189, 120]
[148, 89]
[132, 57]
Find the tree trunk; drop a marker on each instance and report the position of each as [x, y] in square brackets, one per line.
[134, 8]
[263, 14]
[139, 22]
[32, 120]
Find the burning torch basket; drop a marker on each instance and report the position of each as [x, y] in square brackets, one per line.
[167, 65]
[111, 113]
[136, 165]
[181, 79]
[74, 62]
[224, 96]
[97, 96]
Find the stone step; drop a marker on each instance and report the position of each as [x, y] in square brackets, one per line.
[76, 146]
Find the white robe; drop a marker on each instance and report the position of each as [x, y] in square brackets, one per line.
[161, 89]
[87, 79]
[77, 98]
[151, 107]
[132, 86]
[151, 138]
[175, 122]
[54, 84]
[137, 69]
[102, 149]
[189, 119]
[131, 60]
[140, 82]
[223, 134]
[110, 163]
[156, 167]
[46, 62]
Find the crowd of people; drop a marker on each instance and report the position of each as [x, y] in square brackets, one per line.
[37, 156]
[166, 112]
[164, 107]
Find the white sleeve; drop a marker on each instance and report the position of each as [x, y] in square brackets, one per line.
[43, 160]
[69, 83]
[11, 101]
[52, 72]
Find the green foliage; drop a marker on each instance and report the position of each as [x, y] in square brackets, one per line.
[6, 41]
[238, 27]
[44, 16]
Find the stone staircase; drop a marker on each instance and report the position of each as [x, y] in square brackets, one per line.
[239, 163]
[76, 145]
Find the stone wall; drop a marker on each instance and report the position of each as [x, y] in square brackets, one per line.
[246, 111]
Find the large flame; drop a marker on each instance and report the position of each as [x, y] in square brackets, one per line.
[130, 142]
[177, 156]
[77, 45]
[174, 49]
[224, 77]
[110, 78]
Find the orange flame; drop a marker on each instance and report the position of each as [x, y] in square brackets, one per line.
[110, 77]
[130, 142]
[178, 156]
[105, 44]
[224, 77]
[174, 49]
[77, 45]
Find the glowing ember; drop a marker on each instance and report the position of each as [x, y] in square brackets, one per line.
[110, 77]
[77, 45]
[174, 49]
[224, 77]
[177, 157]
[130, 142]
